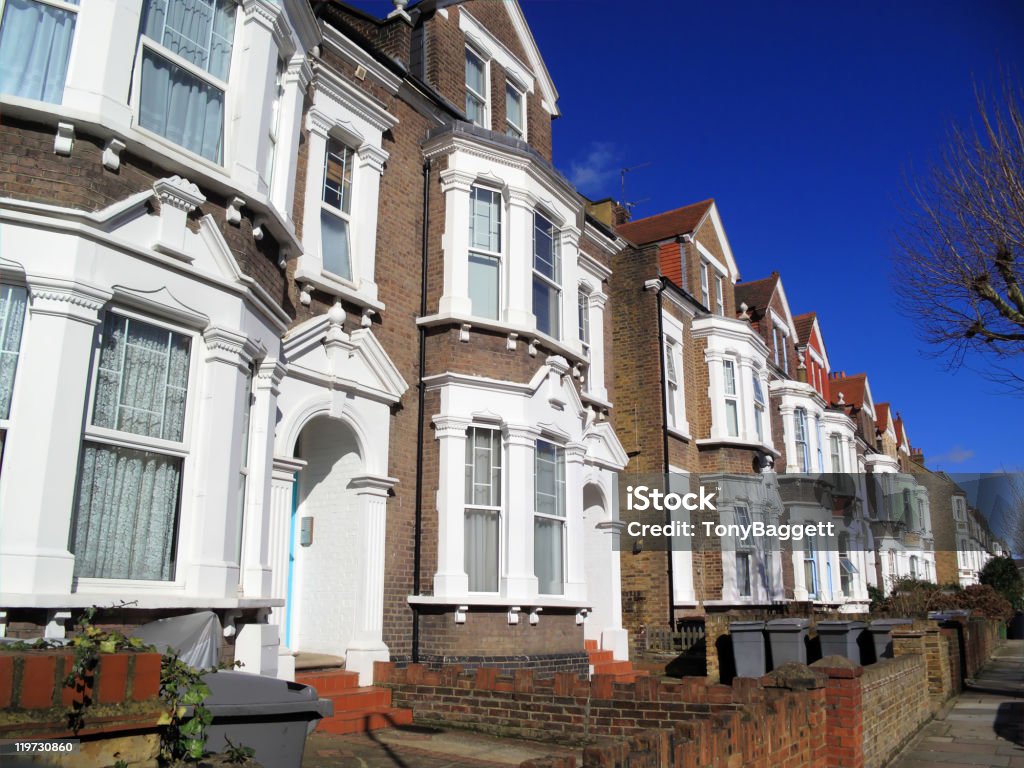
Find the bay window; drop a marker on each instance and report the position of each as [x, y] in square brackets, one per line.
[549, 518]
[186, 60]
[133, 452]
[515, 112]
[732, 406]
[35, 46]
[476, 89]
[483, 508]
[484, 251]
[803, 453]
[13, 301]
[336, 208]
[547, 276]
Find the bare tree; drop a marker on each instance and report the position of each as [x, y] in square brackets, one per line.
[960, 257]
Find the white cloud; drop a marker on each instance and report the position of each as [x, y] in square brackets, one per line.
[596, 171]
[955, 455]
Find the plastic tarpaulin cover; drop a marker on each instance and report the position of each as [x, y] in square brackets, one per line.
[195, 636]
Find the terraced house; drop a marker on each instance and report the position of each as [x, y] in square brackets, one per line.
[303, 327]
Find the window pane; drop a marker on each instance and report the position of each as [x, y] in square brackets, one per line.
[35, 44]
[483, 285]
[485, 220]
[475, 73]
[743, 574]
[13, 300]
[732, 418]
[758, 391]
[545, 306]
[142, 379]
[729, 369]
[127, 513]
[200, 31]
[550, 479]
[180, 107]
[338, 176]
[334, 234]
[481, 550]
[514, 110]
[583, 301]
[545, 249]
[547, 556]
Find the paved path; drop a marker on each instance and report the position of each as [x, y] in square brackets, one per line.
[422, 748]
[985, 726]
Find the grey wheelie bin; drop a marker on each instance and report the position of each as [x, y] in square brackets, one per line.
[788, 638]
[748, 648]
[271, 716]
[881, 635]
[839, 638]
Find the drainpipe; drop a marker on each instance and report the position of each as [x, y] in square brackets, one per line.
[658, 286]
[420, 397]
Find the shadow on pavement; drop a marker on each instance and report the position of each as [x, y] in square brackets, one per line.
[1009, 722]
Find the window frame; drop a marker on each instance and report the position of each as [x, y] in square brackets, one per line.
[483, 253]
[760, 405]
[63, 6]
[583, 312]
[554, 284]
[5, 421]
[731, 398]
[511, 129]
[157, 48]
[672, 350]
[719, 295]
[811, 561]
[801, 439]
[339, 212]
[469, 504]
[117, 439]
[247, 448]
[705, 284]
[484, 98]
[560, 482]
[835, 446]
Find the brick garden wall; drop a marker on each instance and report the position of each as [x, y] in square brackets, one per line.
[894, 705]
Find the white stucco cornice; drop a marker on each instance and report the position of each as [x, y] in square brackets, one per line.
[728, 329]
[338, 90]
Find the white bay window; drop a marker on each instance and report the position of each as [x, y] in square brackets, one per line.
[133, 452]
[35, 46]
[186, 59]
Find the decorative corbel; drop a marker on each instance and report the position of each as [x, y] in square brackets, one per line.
[533, 348]
[464, 332]
[64, 141]
[535, 616]
[513, 614]
[581, 615]
[112, 154]
[512, 341]
[234, 212]
[306, 294]
[257, 228]
[460, 614]
[367, 319]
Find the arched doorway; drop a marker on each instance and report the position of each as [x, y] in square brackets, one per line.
[601, 567]
[329, 558]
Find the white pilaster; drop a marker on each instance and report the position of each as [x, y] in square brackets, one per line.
[520, 581]
[451, 578]
[595, 372]
[455, 186]
[370, 161]
[217, 508]
[575, 576]
[367, 645]
[282, 490]
[257, 568]
[518, 266]
[46, 418]
[289, 127]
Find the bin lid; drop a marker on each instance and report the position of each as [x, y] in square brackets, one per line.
[956, 613]
[240, 694]
[884, 625]
[746, 626]
[840, 626]
[790, 625]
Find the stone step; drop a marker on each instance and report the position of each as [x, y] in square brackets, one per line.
[365, 698]
[329, 681]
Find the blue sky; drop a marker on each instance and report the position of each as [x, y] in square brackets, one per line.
[801, 119]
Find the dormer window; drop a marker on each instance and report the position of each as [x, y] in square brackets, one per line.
[336, 208]
[476, 88]
[186, 60]
[515, 112]
[35, 45]
[547, 276]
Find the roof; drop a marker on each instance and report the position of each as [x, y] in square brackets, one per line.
[882, 416]
[852, 389]
[757, 293]
[666, 225]
[804, 324]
